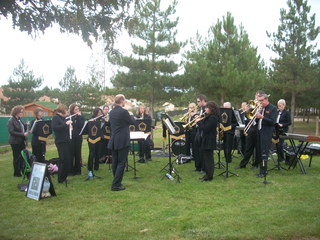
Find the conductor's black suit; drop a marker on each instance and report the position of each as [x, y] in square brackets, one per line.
[119, 143]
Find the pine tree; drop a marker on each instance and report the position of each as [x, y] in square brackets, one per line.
[21, 87]
[150, 69]
[294, 70]
[225, 66]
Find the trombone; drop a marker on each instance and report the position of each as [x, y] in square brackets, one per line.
[253, 115]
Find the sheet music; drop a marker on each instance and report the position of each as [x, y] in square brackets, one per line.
[169, 126]
[138, 135]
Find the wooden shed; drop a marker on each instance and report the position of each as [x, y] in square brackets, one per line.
[48, 108]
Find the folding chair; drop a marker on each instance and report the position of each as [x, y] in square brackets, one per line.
[27, 167]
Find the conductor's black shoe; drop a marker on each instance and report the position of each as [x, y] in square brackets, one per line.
[260, 175]
[254, 167]
[195, 170]
[118, 188]
[148, 159]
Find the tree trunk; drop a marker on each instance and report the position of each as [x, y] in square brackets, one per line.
[221, 99]
[151, 112]
[293, 109]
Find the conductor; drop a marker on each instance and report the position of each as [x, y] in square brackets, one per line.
[119, 143]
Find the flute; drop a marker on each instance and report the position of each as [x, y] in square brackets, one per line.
[70, 126]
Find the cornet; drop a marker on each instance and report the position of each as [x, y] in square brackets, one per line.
[192, 123]
[185, 116]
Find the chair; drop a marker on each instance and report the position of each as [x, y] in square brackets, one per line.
[27, 167]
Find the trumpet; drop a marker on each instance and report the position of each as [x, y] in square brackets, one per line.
[192, 123]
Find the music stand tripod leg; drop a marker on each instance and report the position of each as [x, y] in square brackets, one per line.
[227, 172]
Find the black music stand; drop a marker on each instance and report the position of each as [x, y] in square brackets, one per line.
[264, 162]
[135, 136]
[171, 172]
[277, 166]
[219, 163]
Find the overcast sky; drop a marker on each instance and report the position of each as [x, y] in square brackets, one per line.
[50, 54]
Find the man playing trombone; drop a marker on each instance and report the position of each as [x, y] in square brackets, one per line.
[266, 118]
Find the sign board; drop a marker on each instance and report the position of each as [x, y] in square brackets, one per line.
[37, 179]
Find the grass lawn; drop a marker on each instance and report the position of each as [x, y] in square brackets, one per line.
[150, 208]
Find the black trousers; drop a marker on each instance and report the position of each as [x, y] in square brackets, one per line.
[119, 160]
[251, 144]
[93, 159]
[198, 159]
[190, 135]
[280, 151]
[228, 146]
[207, 155]
[145, 148]
[39, 151]
[17, 158]
[242, 142]
[104, 151]
[64, 160]
[76, 147]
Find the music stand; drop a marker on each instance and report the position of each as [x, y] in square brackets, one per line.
[219, 163]
[171, 172]
[136, 136]
[264, 163]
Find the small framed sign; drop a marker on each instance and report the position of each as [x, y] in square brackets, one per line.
[39, 177]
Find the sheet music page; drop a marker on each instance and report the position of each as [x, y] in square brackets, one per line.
[169, 125]
[138, 135]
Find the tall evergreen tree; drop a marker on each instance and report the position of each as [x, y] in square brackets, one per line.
[150, 69]
[70, 88]
[225, 66]
[294, 71]
[21, 87]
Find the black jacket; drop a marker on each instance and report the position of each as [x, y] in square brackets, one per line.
[285, 119]
[15, 130]
[77, 124]
[268, 122]
[120, 120]
[60, 129]
[208, 131]
[35, 137]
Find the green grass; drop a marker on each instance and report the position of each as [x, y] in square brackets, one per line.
[150, 208]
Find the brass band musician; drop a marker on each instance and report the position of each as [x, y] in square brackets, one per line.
[282, 125]
[61, 126]
[207, 127]
[198, 161]
[228, 134]
[191, 132]
[145, 146]
[76, 140]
